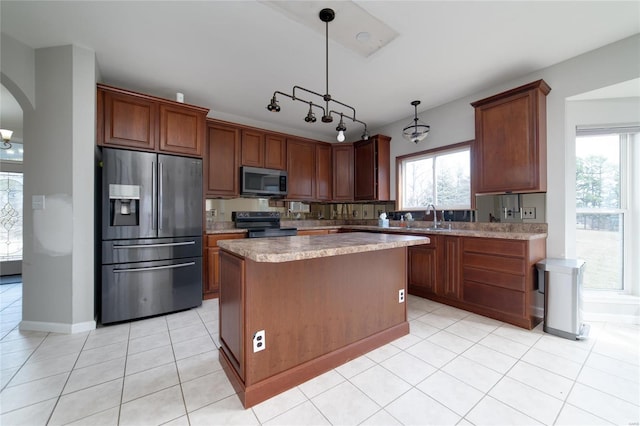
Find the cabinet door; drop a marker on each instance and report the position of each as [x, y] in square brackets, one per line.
[275, 152]
[182, 130]
[252, 148]
[450, 267]
[301, 168]
[211, 282]
[324, 176]
[365, 170]
[129, 122]
[510, 148]
[342, 172]
[223, 160]
[422, 270]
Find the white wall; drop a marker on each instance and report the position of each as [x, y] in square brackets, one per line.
[454, 122]
[59, 140]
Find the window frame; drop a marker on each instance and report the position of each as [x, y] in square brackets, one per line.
[433, 152]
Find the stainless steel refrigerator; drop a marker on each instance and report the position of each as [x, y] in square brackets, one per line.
[151, 234]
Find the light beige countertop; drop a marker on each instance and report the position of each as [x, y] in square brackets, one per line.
[482, 233]
[286, 249]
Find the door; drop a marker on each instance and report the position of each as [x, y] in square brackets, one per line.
[129, 172]
[137, 290]
[179, 196]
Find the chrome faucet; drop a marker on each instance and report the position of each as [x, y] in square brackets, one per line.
[435, 214]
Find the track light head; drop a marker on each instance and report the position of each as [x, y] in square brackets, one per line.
[273, 105]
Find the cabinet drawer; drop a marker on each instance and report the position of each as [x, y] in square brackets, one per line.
[510, 265]
[500, 279]
[212, 240]
[495, 246]
[496, 298]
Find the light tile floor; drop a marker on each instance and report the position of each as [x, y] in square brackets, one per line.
[454, 368]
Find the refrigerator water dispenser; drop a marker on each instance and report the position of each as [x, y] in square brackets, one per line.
[125, 205]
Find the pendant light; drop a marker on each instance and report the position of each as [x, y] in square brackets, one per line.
[326, 16]
[6, 138]
[417, 131]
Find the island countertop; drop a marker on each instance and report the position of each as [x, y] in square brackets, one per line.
[286, 249]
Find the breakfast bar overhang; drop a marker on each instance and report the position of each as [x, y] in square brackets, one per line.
[292, 308]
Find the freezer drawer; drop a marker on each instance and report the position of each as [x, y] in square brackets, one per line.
[131, 251]
[138, 290]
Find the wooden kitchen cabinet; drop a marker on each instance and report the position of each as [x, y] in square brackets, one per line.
[372, 168]
[182, 130]
[211, 274]
[510, 149]
[342, 155]
[301, 169]
[129, 121]
[260, 149]
[450, 266]
[133, 120]
[324, 173]
[222, 160]
[423, 271]
[499, 278]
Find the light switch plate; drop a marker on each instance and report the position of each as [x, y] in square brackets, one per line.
[37, 202]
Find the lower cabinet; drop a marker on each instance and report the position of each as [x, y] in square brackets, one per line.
[423, 269]
[211, 257]
[489, 276]
[317, 231]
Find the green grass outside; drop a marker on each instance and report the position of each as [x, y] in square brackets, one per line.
[602, 252]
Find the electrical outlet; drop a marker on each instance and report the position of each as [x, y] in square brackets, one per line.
[401, 296]
[528, 212]
[259, 342]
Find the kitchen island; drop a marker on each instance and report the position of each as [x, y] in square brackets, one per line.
[292, 308]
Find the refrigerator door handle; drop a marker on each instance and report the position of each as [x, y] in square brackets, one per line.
[160, 195]
[154, 268]
[133, 246]
[154, 211]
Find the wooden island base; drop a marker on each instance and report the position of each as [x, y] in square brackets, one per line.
[316, 315]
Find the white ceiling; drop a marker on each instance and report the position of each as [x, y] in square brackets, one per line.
[231, 56]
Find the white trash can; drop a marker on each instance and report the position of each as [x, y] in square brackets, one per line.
[561, 282]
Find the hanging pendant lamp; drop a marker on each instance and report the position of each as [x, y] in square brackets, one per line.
[326, 16]
[417, 131]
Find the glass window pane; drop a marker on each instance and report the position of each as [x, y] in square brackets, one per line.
[599, 242]
[418, 183]
[15, 153]
[453, 188]
[10, 216]
[598, 171]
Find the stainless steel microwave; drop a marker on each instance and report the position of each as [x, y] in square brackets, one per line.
[260, 182]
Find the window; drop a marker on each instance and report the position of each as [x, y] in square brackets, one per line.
[440, 177]
[603, 200]
[11, 181]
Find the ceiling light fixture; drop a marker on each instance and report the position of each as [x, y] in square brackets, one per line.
[417, 131]
[326, 16]
[6, 137]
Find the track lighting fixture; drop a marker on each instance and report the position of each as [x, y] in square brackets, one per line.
[326, 16]
[417, 131]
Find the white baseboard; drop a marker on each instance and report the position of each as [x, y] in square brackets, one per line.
[615, 318]
[57, 327]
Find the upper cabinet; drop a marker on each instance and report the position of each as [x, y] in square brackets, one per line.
[342, 172]
[260, 149]
[301, 169]
[309, 170]
[132, 120]
[222, 160]
[371, 168]
[510, 150]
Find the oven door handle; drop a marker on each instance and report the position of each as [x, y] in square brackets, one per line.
[135, 246]
[154, 268]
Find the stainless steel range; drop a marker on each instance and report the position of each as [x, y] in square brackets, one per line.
[262, 224]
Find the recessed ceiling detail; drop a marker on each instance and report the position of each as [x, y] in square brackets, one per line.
[354, 28]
